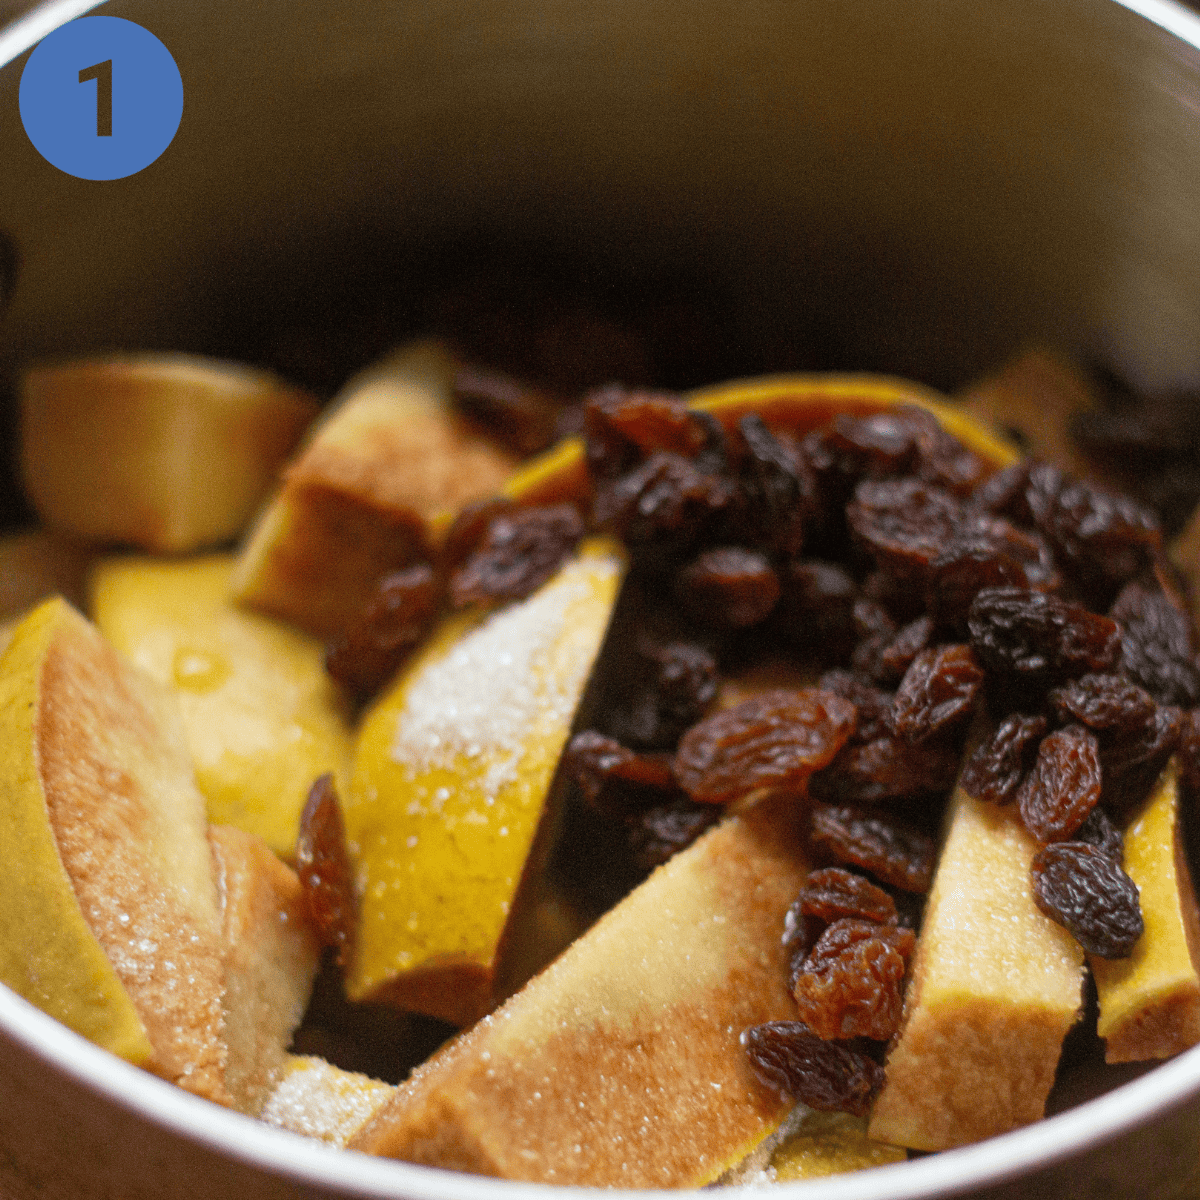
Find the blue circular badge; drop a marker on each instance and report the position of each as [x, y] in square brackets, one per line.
[101, 98]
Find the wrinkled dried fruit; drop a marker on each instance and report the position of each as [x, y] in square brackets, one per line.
[904, 523]
[833, 892]
[789, 1058]
[899, 653]
[874, 705]
[395, 619]
[772, 740]
[1088, 893]
[665, 829]
[892, 850]
[941, 458]
[323, 867]
[1132, 762]
[778, 489]
[816, 608]
[621, 427]
[1035, 634]
[614, 779]
[521, 550]
[1099, 831]
[1189, 752]
[851, 983]
[1105, 703]
[1063, 786]
[518, 414]
[800, 933]
[997, 765]
[469, 528]
[729, 585]
[671, 691]
[887, 769]
[937, 692]
[1157, 645]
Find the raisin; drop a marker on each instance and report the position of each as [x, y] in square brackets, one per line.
[873, 705]
[1189, 752]
[878, 445]
[518, 414]
[1088, 893]
[800, 933]
[846, 931]
[887, 769]
[1003, 494]
[673, 688]
[996, 766]
[904, 523]
[1133, 762]
[614, 779]
[1099, 831]
[789, 1058]
[893, 851]
[469, 528]
[662, 508]
[816, 608]
[521, 550]
[665, 829]
[1157, 645]
[772, 740]
[941, 458]
[729, 585]
[366, 655]
[1038, 636]
[851, 984]
[833, 892]
[1063, 786]
[899, 653]
[876, 629]
[1104, 703]
[622, 427]
[323, 867]
[871, 619]
[937, 692]
[778, 487]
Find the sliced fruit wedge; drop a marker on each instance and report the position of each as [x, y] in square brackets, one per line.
[167, 452]
[452, 772]
[263, 719]
[619, 1065]
[101, 793]
[995, 985]
[388, 457]
[830, 1144]
[1150, 1001]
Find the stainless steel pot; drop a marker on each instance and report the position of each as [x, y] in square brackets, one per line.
[916, 185]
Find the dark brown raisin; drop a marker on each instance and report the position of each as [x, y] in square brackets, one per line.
[895, 852]
[324, 870]
[519, 414]
[873, 705]
[662, 508]
[1157, 645]
[789, 1058]
[365, 656]
[672, 688]
[622, 427]
[851, 983]
[778, 489]
[1189, 752]
[941, 458]
[998, 764]
[1063, 786]
[815, 610]
[887, 769]
[1003, 494]
[1037, 635]
[904, 523]
[776, 739]
[659, 832]
[1133, 762]
[729, 586]
[878, 445]
[1087, 892]
[1108, 704]
[833, 892]
[899, 653]
[1099, 831]
[469, 528]
[521, 550]
[614, 779]
[937, 692]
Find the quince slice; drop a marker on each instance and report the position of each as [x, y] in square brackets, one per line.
[619, 1065]
[271, 956]
[829, 1144]
[167, 452]
[995, 986]
[100, 791]
[1150, 1001]
[319, 1100]
[389, 457]
[263, 719]
[452, 773]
